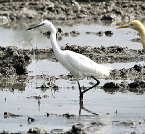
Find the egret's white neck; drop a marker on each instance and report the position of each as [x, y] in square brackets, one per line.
[54, 44]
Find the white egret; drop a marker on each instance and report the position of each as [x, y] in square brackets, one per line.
[79, 65]
[138, 26]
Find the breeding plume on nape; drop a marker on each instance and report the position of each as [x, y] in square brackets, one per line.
[79, 65]
[138, 26]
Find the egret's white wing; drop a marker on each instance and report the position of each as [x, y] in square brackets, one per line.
[85, 65]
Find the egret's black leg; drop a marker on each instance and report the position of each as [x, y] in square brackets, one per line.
[98, 82]
[81, 106]
[81, 93]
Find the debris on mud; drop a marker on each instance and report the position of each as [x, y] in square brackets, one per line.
[100, 33]
[56, 131]
[96, 123]
[128, 123]
[8, 114]
[136, 40]
[34, 97]
[30, 119]
[37, 130]
[44, 86]
[74, 33]
[68, 116]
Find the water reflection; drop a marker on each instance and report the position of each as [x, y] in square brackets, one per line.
[85, 109]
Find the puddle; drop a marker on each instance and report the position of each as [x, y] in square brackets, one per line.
[34, 39]
[129, 106]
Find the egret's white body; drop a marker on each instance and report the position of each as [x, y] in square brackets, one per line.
[79, 65]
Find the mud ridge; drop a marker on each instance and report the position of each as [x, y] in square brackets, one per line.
[101, 54]
[14, 61]
[100, 10]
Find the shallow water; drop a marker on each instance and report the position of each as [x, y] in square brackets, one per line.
[112, 109]
[130, 108]
[34, 39]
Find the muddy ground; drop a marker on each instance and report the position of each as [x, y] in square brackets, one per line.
[81, 10]
[14, 61]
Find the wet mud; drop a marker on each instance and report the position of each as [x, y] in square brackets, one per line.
[112, 11]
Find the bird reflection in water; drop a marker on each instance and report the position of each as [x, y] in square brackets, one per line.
[85, 109]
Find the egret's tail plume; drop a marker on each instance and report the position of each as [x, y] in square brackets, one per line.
[103, 70]
[107, 70]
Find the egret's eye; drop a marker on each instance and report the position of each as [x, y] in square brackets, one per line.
[131, 24]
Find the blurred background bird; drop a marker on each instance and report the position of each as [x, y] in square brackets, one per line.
[139, 27]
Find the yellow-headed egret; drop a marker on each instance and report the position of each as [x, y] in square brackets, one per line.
[138, 26]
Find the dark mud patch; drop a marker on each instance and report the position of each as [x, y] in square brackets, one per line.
[135, 87]
[13, 61]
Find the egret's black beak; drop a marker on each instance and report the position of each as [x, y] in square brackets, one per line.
[35, 26]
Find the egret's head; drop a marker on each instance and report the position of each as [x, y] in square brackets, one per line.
[135, 24]
[44, 23]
